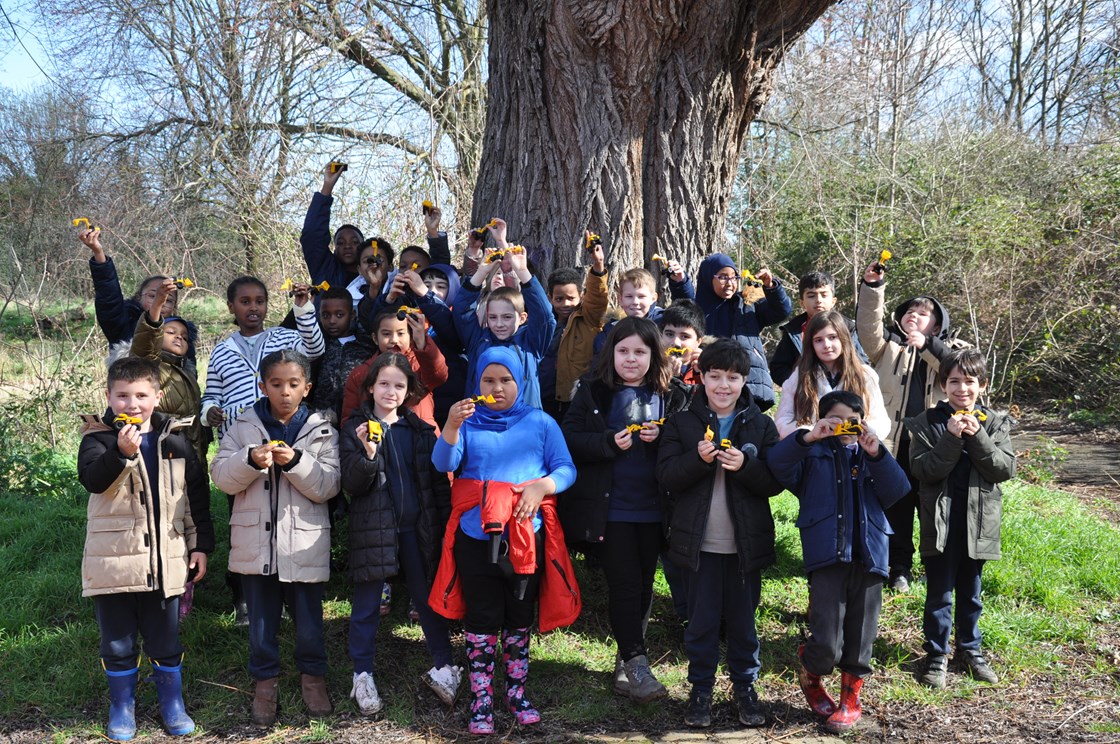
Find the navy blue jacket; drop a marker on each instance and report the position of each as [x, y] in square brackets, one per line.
[117, 316]
[819, 474]
[736, 319]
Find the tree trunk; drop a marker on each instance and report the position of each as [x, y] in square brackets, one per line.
[625, 118]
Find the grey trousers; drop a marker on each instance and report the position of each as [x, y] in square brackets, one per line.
[844, 604]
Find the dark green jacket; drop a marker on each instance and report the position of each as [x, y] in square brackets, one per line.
[181, 395]
[934, 453]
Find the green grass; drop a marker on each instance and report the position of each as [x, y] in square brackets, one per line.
[1054, 590]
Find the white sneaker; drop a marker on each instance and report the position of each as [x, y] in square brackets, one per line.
[444, 682]
[364, 692]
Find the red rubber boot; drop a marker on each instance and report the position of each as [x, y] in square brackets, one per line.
[819, 700]
[850, 709]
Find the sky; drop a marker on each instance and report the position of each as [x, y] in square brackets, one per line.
[20, 50]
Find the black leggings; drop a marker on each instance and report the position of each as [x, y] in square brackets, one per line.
[490, 588]
[629, 554]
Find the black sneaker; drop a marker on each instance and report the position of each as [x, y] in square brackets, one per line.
[750, 709]
[937, 667]
[699, 713]
[977, 666]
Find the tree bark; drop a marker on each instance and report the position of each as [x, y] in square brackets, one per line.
[626, 118]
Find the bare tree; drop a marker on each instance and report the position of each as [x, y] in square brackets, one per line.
[1041, 63]
[428, 59]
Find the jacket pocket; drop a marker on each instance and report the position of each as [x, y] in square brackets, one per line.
[113, 536]
[245, 538]
[311, 541]
[809, 518]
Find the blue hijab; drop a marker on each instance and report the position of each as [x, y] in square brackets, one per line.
[719, 313]
[453, 281]
[487, 418]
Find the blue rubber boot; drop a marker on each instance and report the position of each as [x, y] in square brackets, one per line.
[122, 705]
[169, 687]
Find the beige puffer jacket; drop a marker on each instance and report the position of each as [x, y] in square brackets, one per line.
[121, 553]
[279, 523]
[895, 361]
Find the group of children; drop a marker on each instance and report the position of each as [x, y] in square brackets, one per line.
[484, 428]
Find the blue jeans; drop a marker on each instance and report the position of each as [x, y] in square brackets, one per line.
[365, 610]
[949, 572]
[718, 591]
[265, 597]
[121, 618]
[676, 576]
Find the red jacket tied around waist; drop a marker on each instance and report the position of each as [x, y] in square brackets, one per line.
[560, 602]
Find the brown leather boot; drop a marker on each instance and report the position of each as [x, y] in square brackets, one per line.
[315, 695]
[265, 695]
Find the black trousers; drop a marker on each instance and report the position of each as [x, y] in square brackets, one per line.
[123, 618]
[490, 589]
[844, 604]
[900, 516]
[629, 554]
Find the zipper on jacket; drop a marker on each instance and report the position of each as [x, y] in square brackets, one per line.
[841, 472]
[564, 576]
[450, 584]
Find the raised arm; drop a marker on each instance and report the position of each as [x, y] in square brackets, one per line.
[869, 316]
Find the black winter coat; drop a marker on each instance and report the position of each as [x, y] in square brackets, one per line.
[373, 516]
[117, 315]
[583, 507]
[688, 482]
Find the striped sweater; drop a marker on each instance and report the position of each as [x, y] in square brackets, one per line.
[233, 375]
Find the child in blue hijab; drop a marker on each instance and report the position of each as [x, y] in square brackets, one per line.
[728, 315]
[511, 455]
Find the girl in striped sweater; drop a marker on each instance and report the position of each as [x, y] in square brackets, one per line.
[233, 375]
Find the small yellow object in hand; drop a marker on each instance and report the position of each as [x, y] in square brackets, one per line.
[375, 432]
[426, 206]
[123, 419]
[634, 428]
[709, 435]
[79, 221]
[591, 241]
[881, 265]
[337, 167]
[676, 351]
[750, 279]
[851, 427]
[725, 444]
[278, 443]
[182, 282]
[488, 399]
[980, 415]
